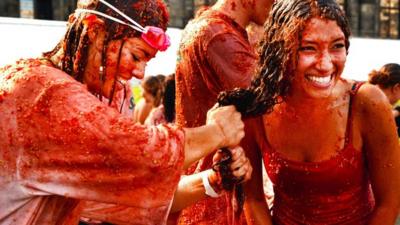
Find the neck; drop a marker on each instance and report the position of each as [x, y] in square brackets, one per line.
[310, 105]
[307, 105]
[235, 10]
[388, 94]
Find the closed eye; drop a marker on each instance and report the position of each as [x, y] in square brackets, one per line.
[135, 58]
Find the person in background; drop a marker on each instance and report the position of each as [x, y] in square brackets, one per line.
[60, 143]
[165, 112]
[388, 80]
[328, 144]
[152, 89]
[214, 55]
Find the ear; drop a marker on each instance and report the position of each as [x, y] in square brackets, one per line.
[94, 26]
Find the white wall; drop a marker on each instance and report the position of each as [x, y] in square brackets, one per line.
[22, 38]
[367, 54]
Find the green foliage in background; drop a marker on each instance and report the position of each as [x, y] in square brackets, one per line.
[137, 93]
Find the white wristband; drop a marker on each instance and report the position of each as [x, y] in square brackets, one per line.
[209, 190]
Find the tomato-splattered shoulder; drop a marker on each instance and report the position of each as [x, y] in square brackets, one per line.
[370, 98]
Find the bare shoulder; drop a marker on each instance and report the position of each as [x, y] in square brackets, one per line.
[370, 98]
[371, 107]
[372, 114]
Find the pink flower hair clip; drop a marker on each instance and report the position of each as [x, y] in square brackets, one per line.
[153, 36]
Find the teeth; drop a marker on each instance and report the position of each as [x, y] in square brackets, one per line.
[322, 80]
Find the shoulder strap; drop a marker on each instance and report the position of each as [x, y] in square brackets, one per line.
[349, 128]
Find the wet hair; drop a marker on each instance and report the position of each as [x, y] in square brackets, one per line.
[76, 41]
[386, 77]
[169, 98]
[278, 53]
[154, 85]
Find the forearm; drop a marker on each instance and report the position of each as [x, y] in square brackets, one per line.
[257, 213]
[189, 191]
[201, 141]
[383, 215]
[255, 206]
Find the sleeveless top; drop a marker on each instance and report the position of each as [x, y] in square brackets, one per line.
[332, 191]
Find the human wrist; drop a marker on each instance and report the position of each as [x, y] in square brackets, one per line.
[218, 135]
[210, 183]
[215, 180]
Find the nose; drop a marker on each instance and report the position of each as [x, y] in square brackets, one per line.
[325, 63]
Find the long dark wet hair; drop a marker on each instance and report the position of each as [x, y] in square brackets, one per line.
[278, 53]
[75, 43]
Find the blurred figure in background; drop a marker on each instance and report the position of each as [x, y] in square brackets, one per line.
[152, 91]
[388, 80]
[165, 112]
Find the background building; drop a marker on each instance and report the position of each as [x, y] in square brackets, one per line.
[368, 18]
[181, 11]
[37, 9]
[373, 18]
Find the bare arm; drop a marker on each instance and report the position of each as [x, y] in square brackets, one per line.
[380, 143]
[191, 188]
[255, 207]
[224, 128]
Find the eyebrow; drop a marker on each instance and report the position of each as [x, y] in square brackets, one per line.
[312, 42]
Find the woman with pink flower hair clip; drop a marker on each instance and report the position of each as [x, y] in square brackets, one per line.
[63, 138]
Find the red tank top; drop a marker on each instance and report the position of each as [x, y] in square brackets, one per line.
[333, 191]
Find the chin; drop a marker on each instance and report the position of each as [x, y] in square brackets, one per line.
[140, 77]
[321, 94]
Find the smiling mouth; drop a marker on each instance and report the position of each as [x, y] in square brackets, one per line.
[320, 81]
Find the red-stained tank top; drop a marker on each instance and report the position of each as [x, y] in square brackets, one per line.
[333, 191]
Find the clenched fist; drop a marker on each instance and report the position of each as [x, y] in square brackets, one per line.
[229, 122]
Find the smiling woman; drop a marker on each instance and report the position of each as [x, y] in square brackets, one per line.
[321, 59]
[319, 144]
[61, 143]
